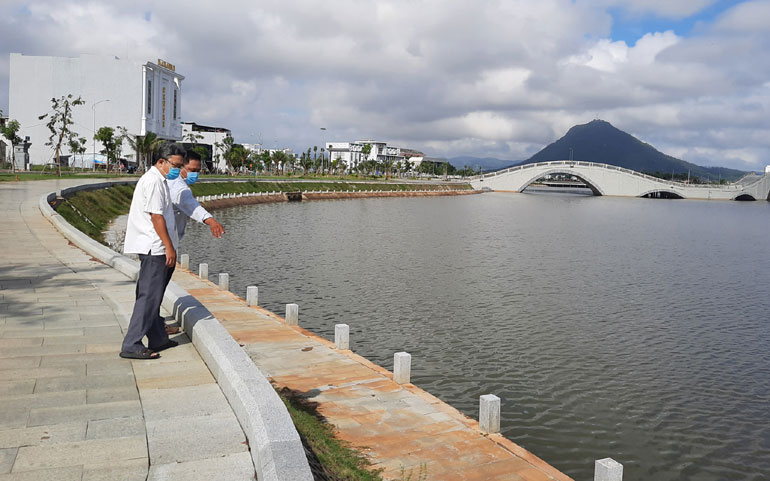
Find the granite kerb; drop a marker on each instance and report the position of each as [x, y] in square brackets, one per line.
[276, 448]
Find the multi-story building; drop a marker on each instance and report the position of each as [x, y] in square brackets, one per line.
[209, 137]
[140, 96]
[352, 152]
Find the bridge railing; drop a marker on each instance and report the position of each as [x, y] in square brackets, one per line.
[572, 163]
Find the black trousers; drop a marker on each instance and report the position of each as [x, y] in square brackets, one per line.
[154, 276]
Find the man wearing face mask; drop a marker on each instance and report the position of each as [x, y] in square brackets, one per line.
[185, 205]
[151, 233]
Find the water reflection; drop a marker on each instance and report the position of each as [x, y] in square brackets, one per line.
[629, 328]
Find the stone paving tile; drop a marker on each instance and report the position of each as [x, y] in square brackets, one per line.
[11, 418]
[84, 412]
[100, 381]
[25, 362]
[114, 394]
[79, 453]
[151, 375]
[70, 473]
[44, 400]
[58, 358]
[233, 467]
[202, 400]
[35, 436]
[130, 470]
[116, 428]
[7, 457]
[190, 438]
[14, 388]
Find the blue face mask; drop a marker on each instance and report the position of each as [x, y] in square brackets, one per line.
[173, 173]
[192, 177]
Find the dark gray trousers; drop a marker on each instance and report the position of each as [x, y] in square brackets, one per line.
[154, 276]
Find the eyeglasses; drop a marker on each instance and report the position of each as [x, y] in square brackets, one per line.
[176, 166]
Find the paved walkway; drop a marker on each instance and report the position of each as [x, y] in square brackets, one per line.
[401, 426]
[70, 408]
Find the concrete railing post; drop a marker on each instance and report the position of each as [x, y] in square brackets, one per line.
[252, 296]
[224, 281]
[203, 271]
[489, 413]
[402, 367]
[184, 261]
[608, 469]
[342, 336]
[292, 314]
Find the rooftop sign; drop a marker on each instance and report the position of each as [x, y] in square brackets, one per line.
[167, 65]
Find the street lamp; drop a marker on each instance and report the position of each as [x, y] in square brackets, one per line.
[93, 110]
[323, 129]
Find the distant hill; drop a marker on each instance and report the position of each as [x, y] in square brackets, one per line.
[487, 164]
[600, 141]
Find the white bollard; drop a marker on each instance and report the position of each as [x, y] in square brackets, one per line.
[342, 336]
[184, 261]
[224, 281]
[252, 296]
[203, 271]
[608, 469]
[402, 367]
[292, 314]
[489, 413]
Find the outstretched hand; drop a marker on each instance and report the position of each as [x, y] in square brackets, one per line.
[217, 229]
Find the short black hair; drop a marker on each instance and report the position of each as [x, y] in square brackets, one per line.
[192, 155]
[166, 150]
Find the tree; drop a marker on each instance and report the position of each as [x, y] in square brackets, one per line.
[11, 132]
[280, 158]
[239, 155]
[144, 146]
[305, 161]
[366, 150]
[60, 124]
[78, 146]
[111, 144]
[226, 147]
[194, 137]
[266, 160]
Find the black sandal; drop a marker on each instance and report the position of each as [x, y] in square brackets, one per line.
[167, 345]
[145, 354]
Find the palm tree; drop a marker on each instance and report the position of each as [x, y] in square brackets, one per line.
[143, 145]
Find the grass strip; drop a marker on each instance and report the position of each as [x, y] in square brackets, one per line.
[340, 461]
[92, 211]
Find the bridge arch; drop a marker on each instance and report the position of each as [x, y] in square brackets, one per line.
[566, 171]
[662, 194]
[744, 196]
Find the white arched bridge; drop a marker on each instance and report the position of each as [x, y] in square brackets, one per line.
[604, 179]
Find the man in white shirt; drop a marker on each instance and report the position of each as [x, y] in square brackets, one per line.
[151, 233]
[185, 205]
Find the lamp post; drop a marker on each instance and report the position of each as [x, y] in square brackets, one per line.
[93, 110]
[323, 129]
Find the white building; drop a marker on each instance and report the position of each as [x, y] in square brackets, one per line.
[352, 152]
[140, 96]
[211, 138]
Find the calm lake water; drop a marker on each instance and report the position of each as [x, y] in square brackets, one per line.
[637, 329]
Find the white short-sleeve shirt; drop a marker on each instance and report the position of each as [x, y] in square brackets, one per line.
[151, 196]
[185, 205]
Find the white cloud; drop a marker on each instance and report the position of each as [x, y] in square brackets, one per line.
[450, 77]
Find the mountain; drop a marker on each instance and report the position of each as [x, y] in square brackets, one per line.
[487, 164]
[599, 141]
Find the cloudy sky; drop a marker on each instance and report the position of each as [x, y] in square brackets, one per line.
[452, 77]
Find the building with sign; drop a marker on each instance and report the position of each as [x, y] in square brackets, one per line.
[140, 96]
